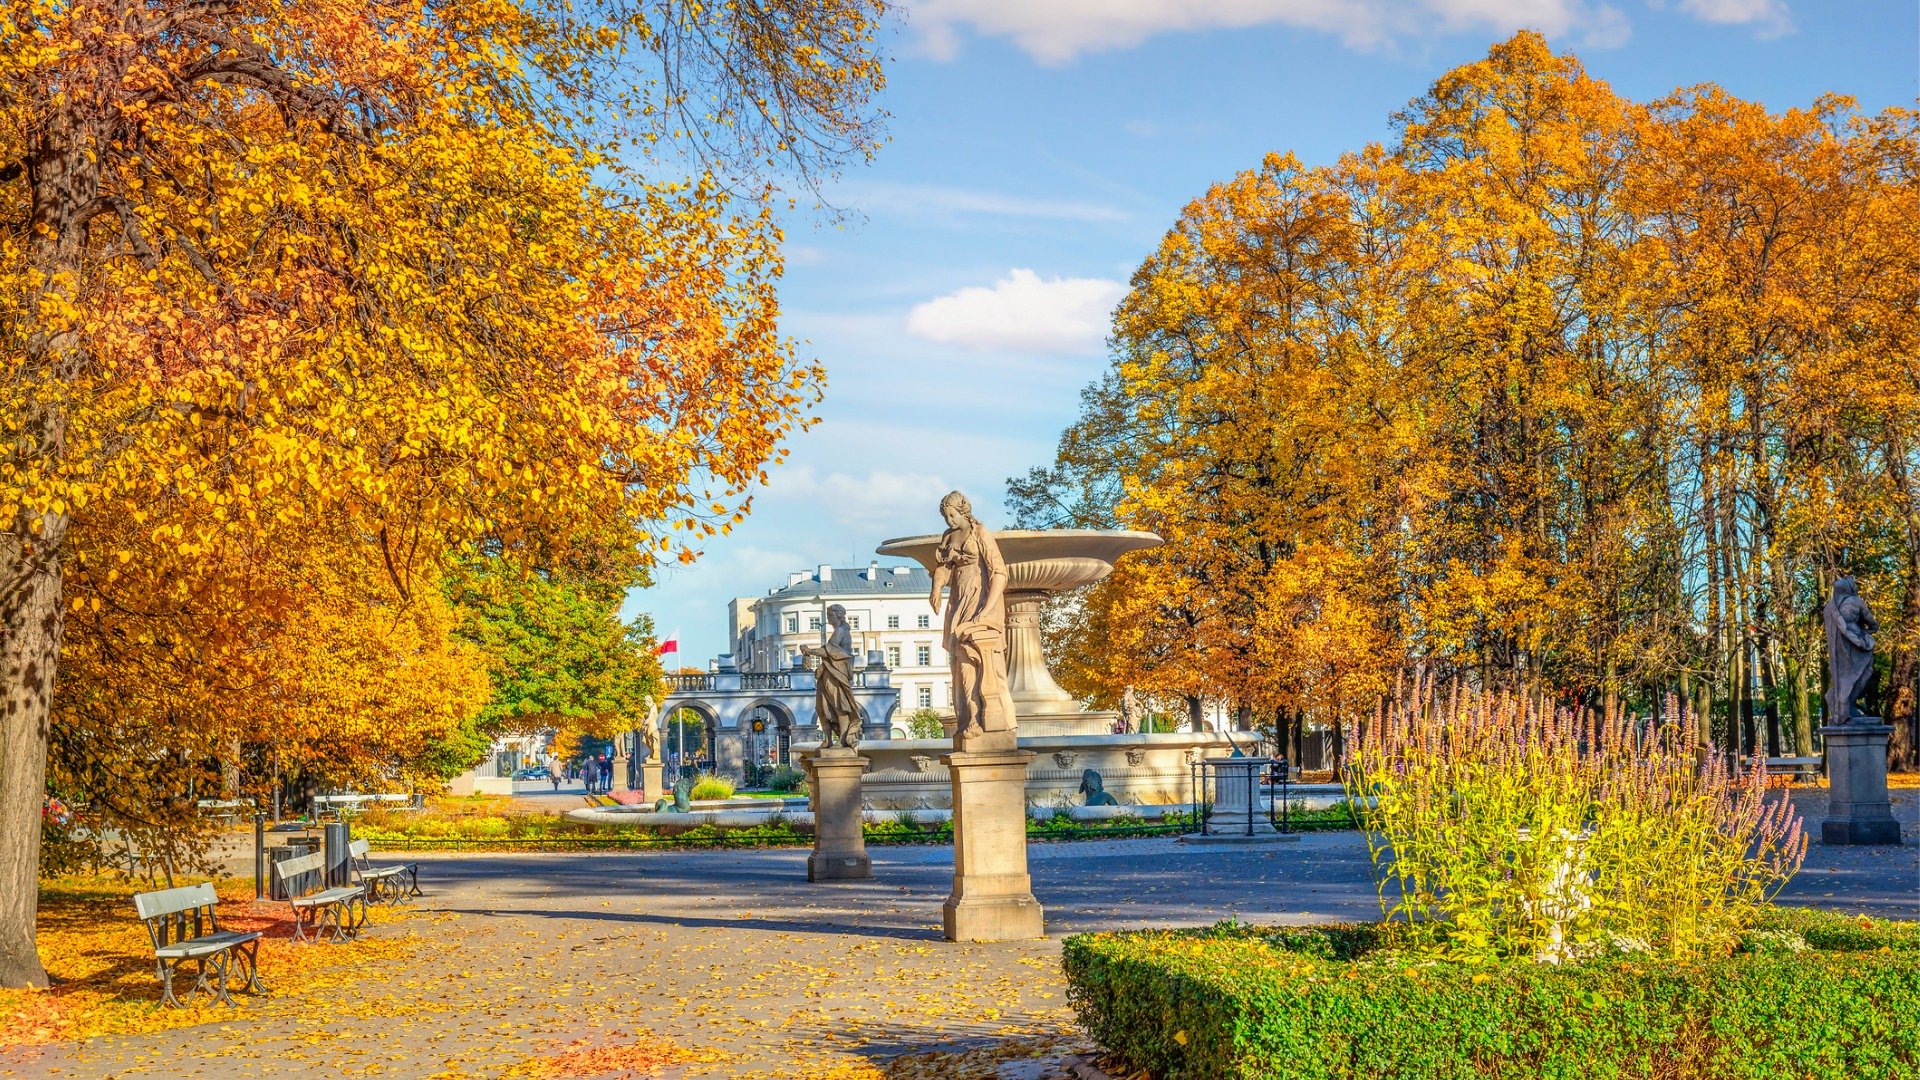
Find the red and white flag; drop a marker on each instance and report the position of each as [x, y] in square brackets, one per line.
[671, 645]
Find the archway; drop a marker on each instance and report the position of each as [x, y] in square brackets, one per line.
[768, 729]
[687, 738]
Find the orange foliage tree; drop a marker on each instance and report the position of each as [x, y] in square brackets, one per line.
[375, 284]
[1555, 390]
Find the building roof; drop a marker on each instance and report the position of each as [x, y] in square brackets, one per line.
[852, 581]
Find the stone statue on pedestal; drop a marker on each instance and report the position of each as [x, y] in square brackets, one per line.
[1859, 808]
[649, 728]
[1850, 629]
[1129, 712]
[835, 709]
[976, 628]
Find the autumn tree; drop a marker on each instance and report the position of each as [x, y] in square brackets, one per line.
[406, 279]
[1555, 391]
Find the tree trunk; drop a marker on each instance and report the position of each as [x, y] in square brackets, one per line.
[64, 175]
[1801, 706]
[30, 616]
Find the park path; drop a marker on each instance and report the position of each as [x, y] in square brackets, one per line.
[734, 954]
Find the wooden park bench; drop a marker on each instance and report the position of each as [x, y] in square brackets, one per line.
[324, 910]
[1803, 768]
[393, 883]
[182, 926]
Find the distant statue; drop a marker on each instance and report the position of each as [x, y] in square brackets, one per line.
[1095, 789]
[833, 704]
[1129, 712]
[1850, 630]
[969, 561]
[649, 728]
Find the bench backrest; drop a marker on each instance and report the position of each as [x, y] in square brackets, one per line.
[152, 905]
[171, 913]
[299, 864]
[358, 849]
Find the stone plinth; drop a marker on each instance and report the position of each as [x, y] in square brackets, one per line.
[1858, 809]
[992, 898]
[839, 845]
[619, 773]
[1238, 815]
[653, 779]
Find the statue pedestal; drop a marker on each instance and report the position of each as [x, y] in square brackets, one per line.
[619, 775]
[652, 779]
[1858, 809]
[839, 845]
[992, 898]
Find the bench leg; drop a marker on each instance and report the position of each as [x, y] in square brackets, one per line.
[330, 921]
[248, 955]
[166, 984]
[220, 963]
[356, 922]
[413, 880]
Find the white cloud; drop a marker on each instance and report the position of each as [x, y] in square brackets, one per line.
[1056, 31]
[1022, 312]
[936, 201]
[1769, 17]
[862, 504]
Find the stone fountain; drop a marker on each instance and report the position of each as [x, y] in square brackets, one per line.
[1041, 562]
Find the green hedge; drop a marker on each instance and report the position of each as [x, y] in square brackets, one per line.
[1811, 995]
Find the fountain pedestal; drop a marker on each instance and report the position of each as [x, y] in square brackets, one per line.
[839, 844]
[992, 898]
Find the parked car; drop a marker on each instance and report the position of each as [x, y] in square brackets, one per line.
[531, 772]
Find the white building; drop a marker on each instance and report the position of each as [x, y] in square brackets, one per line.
[887, 611]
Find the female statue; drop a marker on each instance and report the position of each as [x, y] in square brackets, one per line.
[969, 561]
[834, 707]
[1850, 630]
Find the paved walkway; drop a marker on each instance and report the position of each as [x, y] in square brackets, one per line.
[735, 953]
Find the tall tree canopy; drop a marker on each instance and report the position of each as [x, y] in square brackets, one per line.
[306, 299]
[1556, 389]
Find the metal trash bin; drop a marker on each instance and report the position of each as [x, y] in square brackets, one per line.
[302, 883]
[338, 836]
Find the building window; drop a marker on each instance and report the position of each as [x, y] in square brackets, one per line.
[923, 655]
[893, 622]
[853, 622]
[813, 622]
[925, 621]
[949, 694]
[893, 656]
[926, 697]
[793, 624]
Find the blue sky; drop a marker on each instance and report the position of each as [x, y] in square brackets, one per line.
[1039, 149]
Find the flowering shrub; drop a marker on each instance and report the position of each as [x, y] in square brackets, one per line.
[709, 786]
[1512, 829]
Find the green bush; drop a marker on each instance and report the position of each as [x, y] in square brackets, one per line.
[925, 724]
[709, 786]
[1806, 995]
[784, 778]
